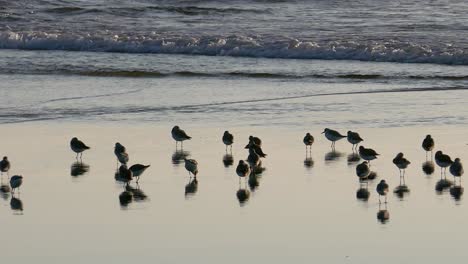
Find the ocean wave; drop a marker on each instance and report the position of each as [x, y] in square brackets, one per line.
[238, 46]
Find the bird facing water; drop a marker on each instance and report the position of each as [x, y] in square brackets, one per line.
[354, 138]
[332, 135]
[78, 146]
[228, 139]
[138, 169]
[179, 135]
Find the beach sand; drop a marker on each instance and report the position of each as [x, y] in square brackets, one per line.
[297, 213]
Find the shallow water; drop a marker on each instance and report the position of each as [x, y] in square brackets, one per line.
[296, 213]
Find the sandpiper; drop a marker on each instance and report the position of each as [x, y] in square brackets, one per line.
[367, 153]
[242, 169]
[179, 135]
[308, 141]
[253, 159]
[354, 138]
[15, 182]
[258, 150]
[138, 169]
[456, 169]
[228, 139]
[120, 153]
[125, 174]
[382, 190]
[332, 135]
[192, 166]
[443, 161]
[254, 140]
[362, 170]
[78, 146]
[401, 162]
[4, 165]
[428, 144]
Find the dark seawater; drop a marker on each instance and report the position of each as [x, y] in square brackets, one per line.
[418, 31]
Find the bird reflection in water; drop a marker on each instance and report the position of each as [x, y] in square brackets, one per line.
[4, 190]
[243, 196]
[191, 188]
[137, 193]
[443, 185]
[333, 156]
[456, 192]
[428, 167]
[353, 158]
[178, 156]
[16, 205]
[228, 160]
[383, 215]
[125, 198]
[402, 189]
[363, 193]
[308, 162]
[253, 182]
[78, 168]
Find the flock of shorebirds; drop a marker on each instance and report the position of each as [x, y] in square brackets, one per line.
[252, 164]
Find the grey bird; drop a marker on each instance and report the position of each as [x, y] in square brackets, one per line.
[15, 182]
[242, 169]
[120, 153]
[253, 159]
[363, 170]
[354, 138]
[5, 165]
[258, 150]
[308, 141]
[428, 144]
[179, 135]
[367, 153]
[401, 162]
[442, 160]
[332, 135]
[254, 140]
[78, 146]
[191, 166]
[228, 139]
[382, 190]
[125, 174]
[456, 169]
[138, 169]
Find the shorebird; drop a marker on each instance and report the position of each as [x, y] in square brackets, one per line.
[138, 169]
[308, 141]
[253, 159]
[242, 169]
[443, 161]
[401, 162]
[228, 139]
[192, 166]
[78, 146]
[5, 165]
[15, 182]
[362, 170]
[120, 153]
[179, 135]
[354, 138]
[428, 144]
[258, 150]
[254, 140]
[382, 190]
[125, 174]
[456, 169]
[367, 153]
[332, 135]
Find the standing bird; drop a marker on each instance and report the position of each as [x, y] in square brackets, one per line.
[428, 144]
[253, 159]
[456, 169]
[15, 182]
[401, 162]
[367, 153]
[192, 166]
[382, 190]
[5, 165]
[254, 141]
[242, 169]
[120, 153]
[138, 169]
[354, 138]
[308, 141]
[333, 136]
[125, 174]
[228, 139]
[258, 150]
[179, 135]
[443, 161]
[78, 146]
[363, 170]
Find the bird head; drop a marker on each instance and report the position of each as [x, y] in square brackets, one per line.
[325, 130]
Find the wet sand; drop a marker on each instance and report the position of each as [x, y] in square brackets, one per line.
[301, 211]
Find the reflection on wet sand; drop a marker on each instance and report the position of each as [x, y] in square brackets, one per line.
[308, 162]
[443, 185]
[78, 168]
[383, 215]
[456, 192]
[243, 196]
[191, 188]
[178, 156]
[333, 156]
[4, 190]
[353, 158]
[253, 182]
[137, 193]
[16, 204]
[228, 160]
[428, 167]
[401, 190]
[363, 193]
[125, 198]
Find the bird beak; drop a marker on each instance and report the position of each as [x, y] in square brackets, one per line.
[323, 132]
